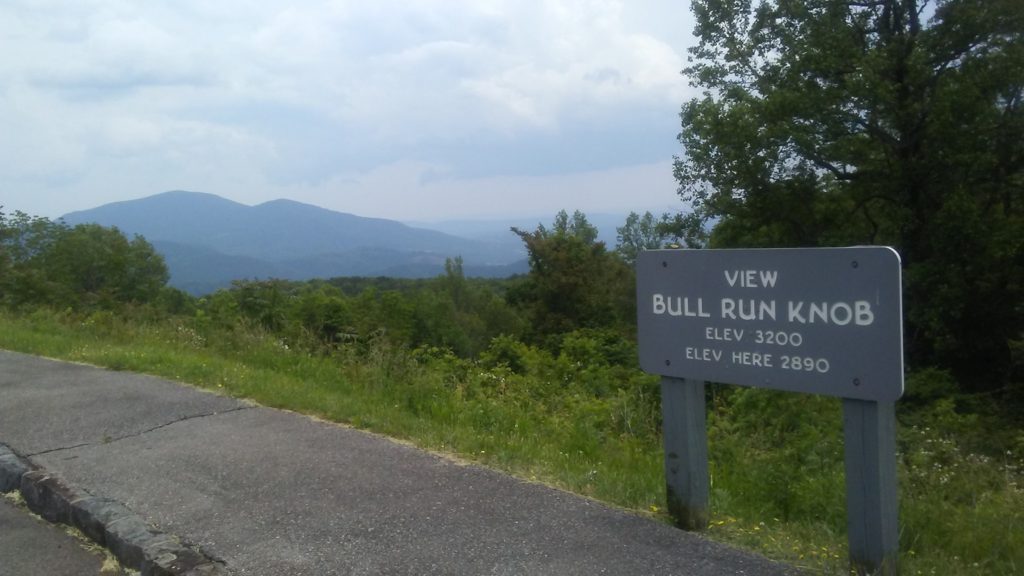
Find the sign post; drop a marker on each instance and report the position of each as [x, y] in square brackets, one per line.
[872, 526]
[685, 434]
[814, 320]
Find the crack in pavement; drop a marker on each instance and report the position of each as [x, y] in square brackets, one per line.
[141, 433]
[58, 449]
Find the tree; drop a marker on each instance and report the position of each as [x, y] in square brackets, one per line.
[462, 314]
[5, 235]
[88, 266]
[265, 302]
[98, 267]
[574, 282]
[25, 241]
[828, 122]
[637, 234]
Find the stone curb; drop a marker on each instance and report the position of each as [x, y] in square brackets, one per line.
[12, 468]
[108, 523]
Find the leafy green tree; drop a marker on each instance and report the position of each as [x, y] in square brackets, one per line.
[5, 234]
[98, 267]
[85, 267]
[264, 302]
[900, 122]
[462, 314]
[325, 313]
[24, 241]
[639, 233]
[574, 282]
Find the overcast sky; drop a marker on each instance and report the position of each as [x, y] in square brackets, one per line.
[406, 109]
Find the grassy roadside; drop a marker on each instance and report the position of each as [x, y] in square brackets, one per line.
[777, 484]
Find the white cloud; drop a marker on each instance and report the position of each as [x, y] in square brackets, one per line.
[101, 99]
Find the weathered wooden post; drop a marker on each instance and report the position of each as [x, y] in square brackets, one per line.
[871, 495]
[813, 320]
[685, 435]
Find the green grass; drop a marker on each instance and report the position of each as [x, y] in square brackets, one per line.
[777, 466]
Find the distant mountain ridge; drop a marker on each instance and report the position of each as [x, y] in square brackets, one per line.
[208, 241]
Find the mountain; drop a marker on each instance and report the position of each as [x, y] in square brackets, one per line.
[208, 241]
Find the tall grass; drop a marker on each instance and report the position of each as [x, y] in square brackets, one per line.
[594, 428]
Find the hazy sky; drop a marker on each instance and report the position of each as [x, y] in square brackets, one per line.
[406, 109]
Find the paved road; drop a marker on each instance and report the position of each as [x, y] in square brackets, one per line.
[270, 492]
[30, 546]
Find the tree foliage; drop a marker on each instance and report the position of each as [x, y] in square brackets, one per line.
[900, 122]
[639, 233]
[83, 268]
[574, 281]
